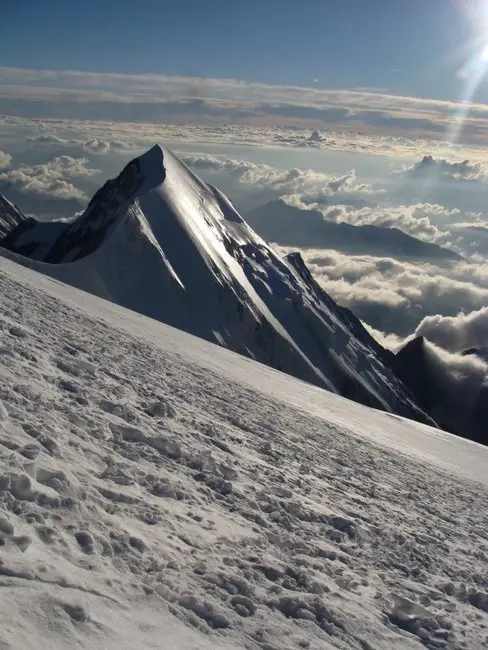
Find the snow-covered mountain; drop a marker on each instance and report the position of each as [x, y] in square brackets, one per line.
[160, 241]
[158, 491]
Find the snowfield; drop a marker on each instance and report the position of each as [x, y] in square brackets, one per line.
[158, 491]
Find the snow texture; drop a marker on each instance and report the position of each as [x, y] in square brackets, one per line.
[158, 491]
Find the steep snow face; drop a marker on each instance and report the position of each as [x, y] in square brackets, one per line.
[162, 242]
[158, 491]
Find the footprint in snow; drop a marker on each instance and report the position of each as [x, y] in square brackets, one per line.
[17, 331]
[3, 413]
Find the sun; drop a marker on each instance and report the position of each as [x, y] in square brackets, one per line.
[475, 13]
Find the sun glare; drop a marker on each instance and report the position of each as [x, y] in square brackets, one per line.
[476, 67]
[484, 54]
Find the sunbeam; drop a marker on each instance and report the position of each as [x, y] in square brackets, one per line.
[476, 67]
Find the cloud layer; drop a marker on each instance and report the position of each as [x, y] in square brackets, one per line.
[285, 182]
[91, 145]
[162, 98]
[141, 134]
[462, 170]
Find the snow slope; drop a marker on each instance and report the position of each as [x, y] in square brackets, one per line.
[158, 491]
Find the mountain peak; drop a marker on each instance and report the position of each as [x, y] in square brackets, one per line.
[412, 365]
[160, 241]
[414, 346]
[152, 165]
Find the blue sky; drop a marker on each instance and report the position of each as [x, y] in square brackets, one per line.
[407, 47]
[390, 68]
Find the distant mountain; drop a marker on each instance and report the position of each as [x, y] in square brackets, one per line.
[288, 225]
[435, 391]
[161, 242]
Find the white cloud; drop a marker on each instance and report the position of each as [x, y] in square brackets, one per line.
[200, 161]
[387, 340]
[462, 170]
[292, 182]
[5, 159]
[457, 333]
[49, 179]
[71, 167]
[91, 145]
[477, 224]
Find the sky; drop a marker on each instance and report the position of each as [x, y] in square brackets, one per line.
[402, 47]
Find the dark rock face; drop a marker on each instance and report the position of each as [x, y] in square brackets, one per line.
[86, 234]
[33, 238]
[411, 365]
[56, 242]
[10, 218]
[435, 392]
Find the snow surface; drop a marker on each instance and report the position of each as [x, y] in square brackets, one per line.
[158, 491]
